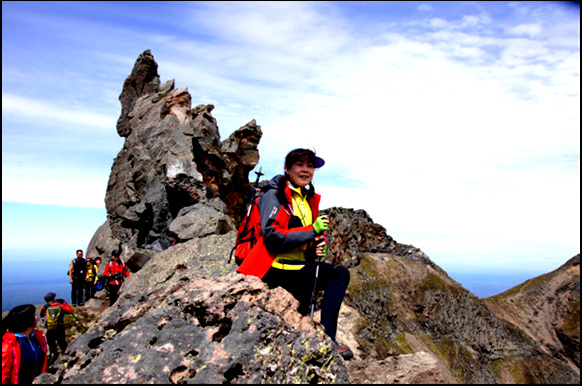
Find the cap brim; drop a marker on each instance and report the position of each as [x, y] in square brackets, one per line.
[319, 162]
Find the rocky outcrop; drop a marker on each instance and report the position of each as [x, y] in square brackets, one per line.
[404, 318]
[173, 161]
[175, 195]
[185, 317]
[354, 232]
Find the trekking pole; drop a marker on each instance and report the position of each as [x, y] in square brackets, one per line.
[252, 203]
[253, 195]
[314, 293]
[79, 321]
[259, 174]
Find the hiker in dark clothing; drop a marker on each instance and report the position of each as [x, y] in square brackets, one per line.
[54, 311]
[292, 239]
[77, 274]
[115, 272]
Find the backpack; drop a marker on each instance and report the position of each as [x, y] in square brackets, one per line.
[248, 233]
[53, 314]
[91, 273]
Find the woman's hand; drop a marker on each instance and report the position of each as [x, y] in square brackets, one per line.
[321, 224]
[321, 248]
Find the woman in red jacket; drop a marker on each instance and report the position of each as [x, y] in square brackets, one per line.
[115, 272]
[293, 237]
[23, 346]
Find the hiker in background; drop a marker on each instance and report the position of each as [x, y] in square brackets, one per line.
[115, 272]
[54, 312]
[98, 279]
[90, 279]
[292, 238]
[77, 273]
[97, 262]
[23, 346]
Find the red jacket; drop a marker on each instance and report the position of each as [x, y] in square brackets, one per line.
[276, 237]
[11, 356]
[113, 268]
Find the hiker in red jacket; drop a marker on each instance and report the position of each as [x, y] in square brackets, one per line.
[23, 346]
[55, 327]
[116, 272]
[293, 237]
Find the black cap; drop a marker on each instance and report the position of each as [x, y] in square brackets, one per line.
[49, 297]
[116, 253]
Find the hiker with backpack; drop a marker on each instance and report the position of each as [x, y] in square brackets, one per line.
[115, 272]
[90, 279]
[54, 312]
[77, 274]
[289, 239]
[23, 346]
[98, 285]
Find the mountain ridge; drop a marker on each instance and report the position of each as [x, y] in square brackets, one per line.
[175, 197]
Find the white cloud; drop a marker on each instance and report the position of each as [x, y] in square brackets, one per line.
[425, 7]
[77, 191]
[29, 109]
[531, 30]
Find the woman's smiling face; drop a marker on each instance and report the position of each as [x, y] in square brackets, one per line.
[301, 172]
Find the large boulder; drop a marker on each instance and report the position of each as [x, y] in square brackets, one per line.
[172, 158]
[102, 243]
[201, 220]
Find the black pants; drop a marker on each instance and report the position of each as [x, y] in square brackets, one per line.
[332, 279]
[77, 291]
[113, 293]
[54, 337]
[89, 290]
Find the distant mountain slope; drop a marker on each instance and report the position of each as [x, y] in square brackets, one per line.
[547, 308]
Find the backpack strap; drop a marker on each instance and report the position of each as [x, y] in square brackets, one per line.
[123, 269]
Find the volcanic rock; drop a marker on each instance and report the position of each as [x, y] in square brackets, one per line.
[175, 195]
[172, 158]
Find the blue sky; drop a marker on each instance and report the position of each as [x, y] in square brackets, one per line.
[455, 125]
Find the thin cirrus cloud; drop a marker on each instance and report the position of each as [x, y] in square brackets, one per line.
[39, 110]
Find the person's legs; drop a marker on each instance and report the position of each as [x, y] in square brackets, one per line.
[334, 283]
[80, 286]
[332, 279]
[297, 282]
[61, 338]
[88, 290]
[51, 340]
[73, 294]
[113, 293]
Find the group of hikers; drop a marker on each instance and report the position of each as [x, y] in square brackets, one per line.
[25, 354]
[85, 280]
[287, 249]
